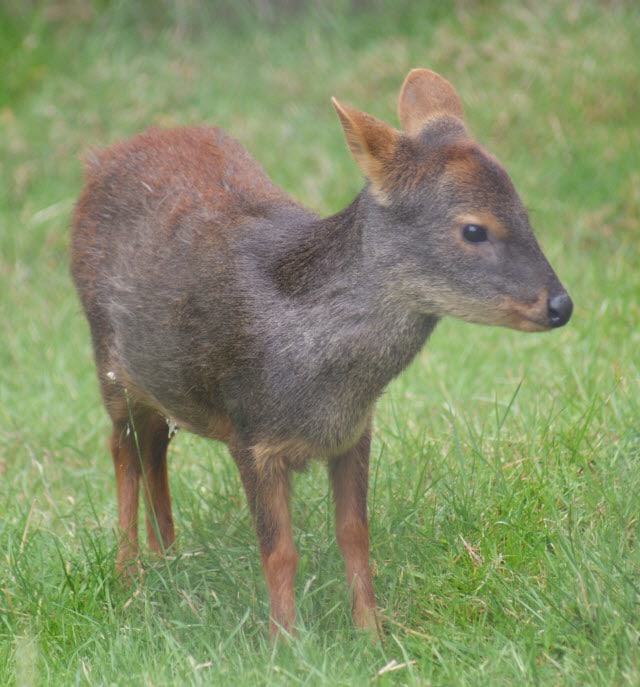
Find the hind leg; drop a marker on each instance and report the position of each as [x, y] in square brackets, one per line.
[139, 450]
[126, 464]
[155, 485]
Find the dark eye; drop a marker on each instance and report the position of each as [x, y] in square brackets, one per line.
[474, 233]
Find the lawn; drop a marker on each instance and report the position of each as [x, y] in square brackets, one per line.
[505, 480]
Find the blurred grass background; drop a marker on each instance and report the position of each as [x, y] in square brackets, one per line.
[505, 482]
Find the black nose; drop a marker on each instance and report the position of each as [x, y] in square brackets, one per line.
[560, 308]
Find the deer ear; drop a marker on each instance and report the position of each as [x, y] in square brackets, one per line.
[424, 95]
[371, 142]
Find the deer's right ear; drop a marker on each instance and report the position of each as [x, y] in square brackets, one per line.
[425, 95]
[372, 144]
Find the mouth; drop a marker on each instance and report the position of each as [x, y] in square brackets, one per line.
[539, 315]
[524, 323]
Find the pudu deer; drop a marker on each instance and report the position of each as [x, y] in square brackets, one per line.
[218, 303]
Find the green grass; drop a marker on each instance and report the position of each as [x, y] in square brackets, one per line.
[505, 482]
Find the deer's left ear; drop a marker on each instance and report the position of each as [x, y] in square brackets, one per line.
[372, 144]
[425, 95]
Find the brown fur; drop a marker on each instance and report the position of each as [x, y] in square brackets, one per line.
[218, 303]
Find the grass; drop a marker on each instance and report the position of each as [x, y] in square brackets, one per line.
[505, 481]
